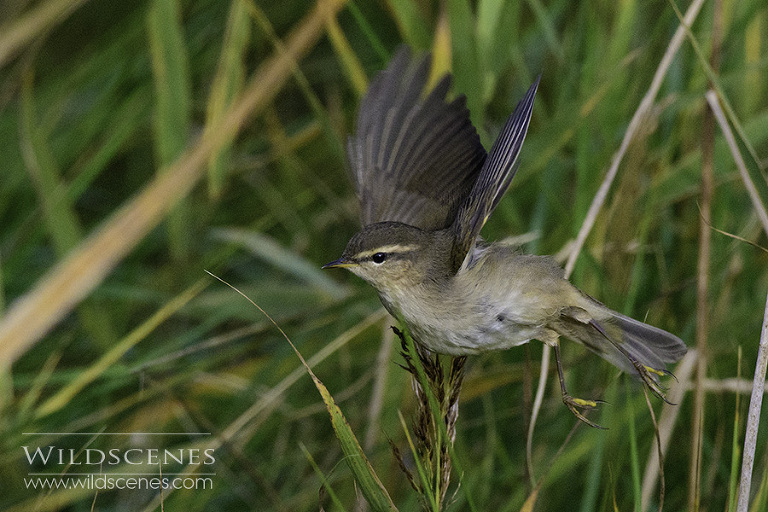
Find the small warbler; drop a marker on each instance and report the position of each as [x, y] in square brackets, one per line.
[426, 187]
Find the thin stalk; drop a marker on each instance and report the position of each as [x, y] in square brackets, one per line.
[754, 195]
[669, 415]
[634, 453]
[634, 124]
[753, 418]
[733, 480]
[428, 496]
[597, 203]
[379, 387]
[702, 275]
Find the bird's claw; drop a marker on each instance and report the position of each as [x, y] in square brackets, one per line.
[574, 404]
[647, 374]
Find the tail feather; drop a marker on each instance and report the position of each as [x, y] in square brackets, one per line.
[619, 339]
[657, 345]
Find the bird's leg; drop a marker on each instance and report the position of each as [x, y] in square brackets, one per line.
[571, 402]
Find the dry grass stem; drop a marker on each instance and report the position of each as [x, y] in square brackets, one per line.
[634, 124]
[379, 387]
[702, 276]
[754, 196]
[66, 284]
[753, 417]
[537, 401]
[732, 385]
[602, 193]
[667, 421]
[14, 36]
[659, 450]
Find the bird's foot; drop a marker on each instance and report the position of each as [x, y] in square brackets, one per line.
[649, 377]
[574, 404]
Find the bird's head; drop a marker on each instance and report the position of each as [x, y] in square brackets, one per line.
[392, 256]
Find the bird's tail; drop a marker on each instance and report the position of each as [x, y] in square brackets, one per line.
[632, 346]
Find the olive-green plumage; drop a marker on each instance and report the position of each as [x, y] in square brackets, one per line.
[426, 187]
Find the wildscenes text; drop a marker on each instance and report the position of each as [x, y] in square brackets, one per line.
[104, 482]
[134, 456]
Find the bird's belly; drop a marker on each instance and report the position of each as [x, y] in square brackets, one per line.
[470, 334]
[477, 313]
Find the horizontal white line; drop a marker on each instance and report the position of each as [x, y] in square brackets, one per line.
[60, 475]
[116, 433]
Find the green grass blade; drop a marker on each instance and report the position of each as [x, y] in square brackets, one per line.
[366, 478]
[761, 497]
[350, 64]
[89, 374]
[321, 476]
[548, 27]
[228, 82]
[58, 207]
[426, 488]
[413, 26]
[498, 44]
[335, 143]
[754, 161]
[171, 79]
[173, 109]
[369, 32]
[489, 32]
[466, 65]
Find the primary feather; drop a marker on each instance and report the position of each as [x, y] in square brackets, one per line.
[493, 181]
[414, 159]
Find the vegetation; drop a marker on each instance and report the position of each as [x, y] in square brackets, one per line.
[146, 142]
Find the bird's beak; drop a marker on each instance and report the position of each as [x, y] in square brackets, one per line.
[339, 263]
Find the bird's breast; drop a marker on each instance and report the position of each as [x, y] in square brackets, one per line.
[463, 318]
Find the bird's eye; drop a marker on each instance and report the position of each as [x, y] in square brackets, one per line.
[379, 258]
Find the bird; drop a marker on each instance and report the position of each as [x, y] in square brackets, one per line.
[426, 186]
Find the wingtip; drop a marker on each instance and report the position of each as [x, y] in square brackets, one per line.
[530, 95]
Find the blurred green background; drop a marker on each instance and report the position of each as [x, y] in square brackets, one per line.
[146, 142]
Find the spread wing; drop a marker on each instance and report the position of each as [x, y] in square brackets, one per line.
[494, 179]
[414, 159]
